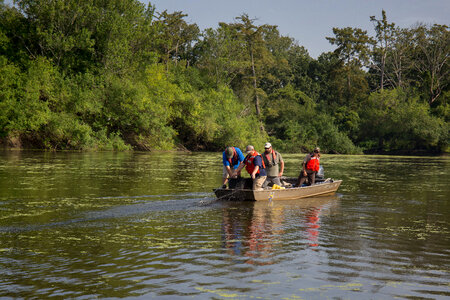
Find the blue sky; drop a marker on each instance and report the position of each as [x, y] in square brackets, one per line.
[310, 21]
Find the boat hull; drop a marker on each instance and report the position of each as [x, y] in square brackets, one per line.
[324, 188]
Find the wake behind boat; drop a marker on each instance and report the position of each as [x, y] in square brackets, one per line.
[243, 193]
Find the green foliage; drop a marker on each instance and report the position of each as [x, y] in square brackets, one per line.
[116, 75]
[29, 109]
[64, 131]
[212, 118]
[9, 84]
[296, 124]
[431, 55]
[175, 37]
[139, 109]
[221, 54]
[347, 120]
[393, 121]
[113, 141]
[352, 45]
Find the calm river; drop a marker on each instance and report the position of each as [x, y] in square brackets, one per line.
[145, 225]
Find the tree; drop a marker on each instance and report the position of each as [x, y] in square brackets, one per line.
[353, 49]
[303, 71]
[278, 73]
[393, 120]
[80, 36]
[259, 56]
[384, 38]
[175, 37]
[432, 58]
[221, 54]
[58, 30]
[399, 60]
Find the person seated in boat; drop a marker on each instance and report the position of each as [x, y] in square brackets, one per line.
[232, 158]
[274, 165]
[310, 167]
[254, 165]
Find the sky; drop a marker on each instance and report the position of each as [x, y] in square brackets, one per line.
[309, 22]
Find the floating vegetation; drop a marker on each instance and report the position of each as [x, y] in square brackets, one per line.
[222, 293]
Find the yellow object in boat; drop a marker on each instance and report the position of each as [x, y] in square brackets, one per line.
[277, 187]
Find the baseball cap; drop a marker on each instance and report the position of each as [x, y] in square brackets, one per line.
[229, 152]
[267, 145]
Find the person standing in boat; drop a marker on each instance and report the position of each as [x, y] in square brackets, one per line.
[254, 165]
[310, 167]
[232, 158]
[274, 165]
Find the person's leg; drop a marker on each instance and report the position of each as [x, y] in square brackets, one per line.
[268, 181]
[258, 182]
[312, 177]
[301, 179]
[276, 180]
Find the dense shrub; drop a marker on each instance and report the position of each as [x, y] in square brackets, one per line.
[393, 120]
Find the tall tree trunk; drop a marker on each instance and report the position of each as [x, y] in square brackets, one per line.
[349, 85]
[176, 53]
[383, 63]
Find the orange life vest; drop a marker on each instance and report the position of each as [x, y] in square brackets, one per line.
[235, 157]
[248, 161]
[313, 164]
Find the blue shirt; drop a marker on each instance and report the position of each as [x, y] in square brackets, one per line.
[235, 163]
[257, 161]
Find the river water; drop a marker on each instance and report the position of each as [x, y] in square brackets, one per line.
[145, 225]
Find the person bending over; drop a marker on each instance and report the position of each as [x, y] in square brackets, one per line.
[254, 165]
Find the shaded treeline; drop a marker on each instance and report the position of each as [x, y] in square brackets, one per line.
[114, 74]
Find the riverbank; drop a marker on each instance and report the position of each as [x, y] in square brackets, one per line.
[17, 144]
[408, 153]
[31, 142]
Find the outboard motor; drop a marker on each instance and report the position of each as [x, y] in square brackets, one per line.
[320, 174]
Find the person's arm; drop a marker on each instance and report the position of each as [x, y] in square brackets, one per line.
[254, 172]
[281, 168]
[241, 156]
[258, 165]
[239, 168]
[230, 171]
[281, 161]
[225, 161]
[305, 161]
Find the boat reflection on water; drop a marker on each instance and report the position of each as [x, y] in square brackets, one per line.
[312, 221]
[254, 231]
